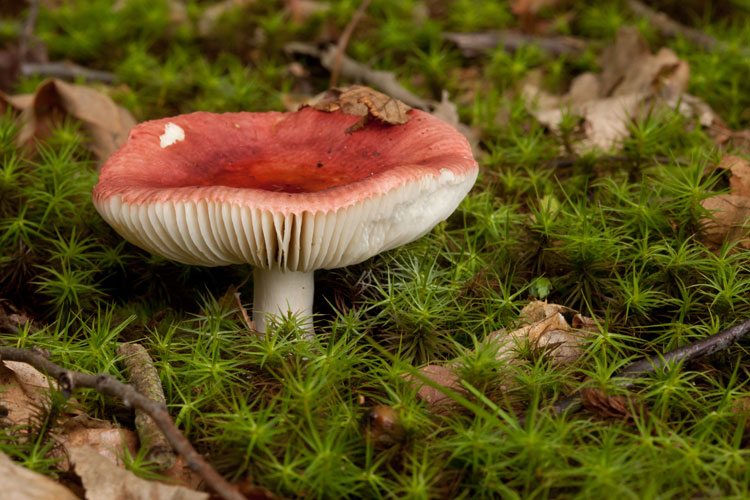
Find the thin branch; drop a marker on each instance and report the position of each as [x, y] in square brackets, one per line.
[66, 70]
[697, 350]
[671, 28]
[473, 44]
[27, 32]
[385, 81]
[344, 41]
[108, 385]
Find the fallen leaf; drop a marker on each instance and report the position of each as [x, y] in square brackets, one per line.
[365, 102]
[739, 179]
[183, 475]
[606, 405]
[544, 328]
[730, 219]
[106, 123]
[632, 81]
[109, 442]
[22, 391]
[19, 483]
[441, 375]
[103, 480]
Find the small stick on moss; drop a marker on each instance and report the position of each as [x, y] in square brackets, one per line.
[386, 81]
[143, 376]
[108, 385]
[473, 44]
[671, 28]
[344, 41]
[697, 350]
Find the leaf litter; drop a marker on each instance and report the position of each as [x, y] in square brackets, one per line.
[632, 82]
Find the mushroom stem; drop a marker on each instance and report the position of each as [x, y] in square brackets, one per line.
[282, 292]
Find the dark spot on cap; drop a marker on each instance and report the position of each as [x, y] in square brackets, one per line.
[319, 165]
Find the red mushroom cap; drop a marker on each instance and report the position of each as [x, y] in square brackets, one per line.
[263, 185]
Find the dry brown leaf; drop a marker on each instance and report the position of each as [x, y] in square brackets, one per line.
[739, 168]
[631, 82]
[183, 475]
[441, 375]
[103, 480]
[606, 405]
[110, 442]
[22, 391]
[19, 483]
[106, 123]
[544, 328]
[730, 220]
[365, 102]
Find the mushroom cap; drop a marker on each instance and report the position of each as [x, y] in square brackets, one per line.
[289, 191]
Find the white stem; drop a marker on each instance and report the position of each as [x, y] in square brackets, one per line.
[282, 292]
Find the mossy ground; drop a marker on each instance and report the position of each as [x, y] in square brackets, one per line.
[618, 239]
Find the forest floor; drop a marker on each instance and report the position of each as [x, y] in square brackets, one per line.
[607, 225]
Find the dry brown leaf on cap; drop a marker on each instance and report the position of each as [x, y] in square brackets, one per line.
[106, 123]
[19, 483]
[631, 82]
[366, 102]
[545, 328]
[103, 480]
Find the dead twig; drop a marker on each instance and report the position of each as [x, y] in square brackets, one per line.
[701, 349]
[385, 81]
[473, 44]
[27, 32]
[106, 384]
[344, 41]
[66, 70]
[671, 28]
[143, 376]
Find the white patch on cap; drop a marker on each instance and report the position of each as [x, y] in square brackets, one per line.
[172, 133]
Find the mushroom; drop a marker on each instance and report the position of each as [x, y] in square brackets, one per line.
[288, 193]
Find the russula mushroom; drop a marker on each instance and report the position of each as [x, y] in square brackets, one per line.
[288, 193]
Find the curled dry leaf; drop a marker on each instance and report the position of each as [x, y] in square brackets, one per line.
[730, 213]
[366, 102]
[631, 82]
[106, 123]
[544, 328]
[739, 169]
[103, 480]
[730, 220]
[19, 483]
